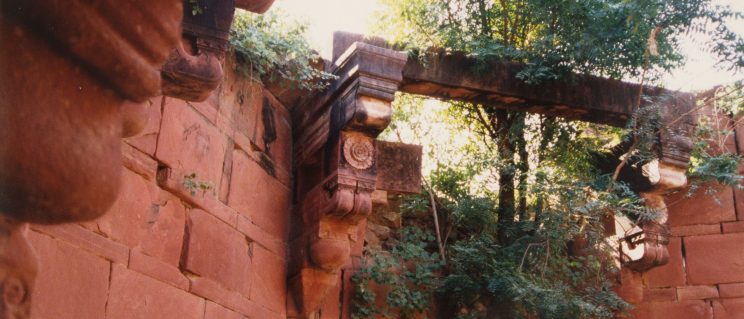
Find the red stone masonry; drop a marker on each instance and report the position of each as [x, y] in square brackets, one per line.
[168, 251]
[704, 278]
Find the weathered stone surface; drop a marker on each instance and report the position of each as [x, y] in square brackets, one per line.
[143, 221]
[269, 280]
[688, 309]
[673, 273]
[219, 252]
[739, 199]
[733, 227]
[259, 196]
[87, 240]
[631, 286]
[189, 144]
[728, 308]
[71, 282]
[694, 230]
[714, 259]
[280, 149]
[731, 290]
[158, 269]
[135, 296]
[701, 208]
[401, 167]
[697, 292]
[215, 311]
[187, 189]
[659, 294]
[147, 140]
[138, 162]
[209, 107]
[272, 242]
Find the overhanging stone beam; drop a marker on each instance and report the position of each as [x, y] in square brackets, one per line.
[455, 76]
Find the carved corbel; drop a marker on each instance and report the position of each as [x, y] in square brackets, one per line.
[663, 175]
[336, 157]
[194, 67]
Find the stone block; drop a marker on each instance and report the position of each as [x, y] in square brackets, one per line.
[731, 290]
[138, 162]
[259, 236]
[146, 219]
[739, 199]
[276, 130]
[241, 104]
[701, 208]
[695, 230]
[733, 227]
[211, 290]
[188, 143]
[158, 269]
[687, 309]
[659, 294]
[135, 296]
[631, 286]
[71, 283]
[146, 141]
[219, 252]
[174, 181]
[729, 308]
[269, 280]
[697, 292]
[672, 274]
[714, 259]
[215, 311]
[209, 107]
[87, 240]
[259, 196]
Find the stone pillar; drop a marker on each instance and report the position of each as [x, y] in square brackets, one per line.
[335, 154]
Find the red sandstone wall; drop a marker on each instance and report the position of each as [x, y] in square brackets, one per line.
[705, 275]
[163, 252]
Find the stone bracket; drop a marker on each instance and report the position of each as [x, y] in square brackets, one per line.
[194, 67]
[337, 158]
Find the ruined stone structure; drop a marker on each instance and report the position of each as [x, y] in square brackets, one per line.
[229, 198]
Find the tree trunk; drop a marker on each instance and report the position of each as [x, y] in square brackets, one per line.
[506, 175]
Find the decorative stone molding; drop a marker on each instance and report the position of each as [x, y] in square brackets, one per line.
[336, 160]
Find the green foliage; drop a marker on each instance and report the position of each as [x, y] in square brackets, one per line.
[613, 38]
[193, 185]
[196, 9]
[407, 271]
[711, 160]
[271, 48]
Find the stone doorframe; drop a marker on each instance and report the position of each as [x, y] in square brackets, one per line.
[338, 162]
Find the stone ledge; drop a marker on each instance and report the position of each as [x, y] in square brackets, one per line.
[87, 240]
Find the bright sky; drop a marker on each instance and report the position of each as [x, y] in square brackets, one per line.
[326, 16]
